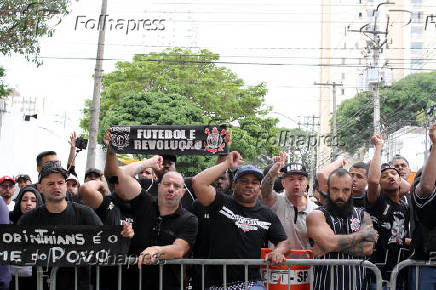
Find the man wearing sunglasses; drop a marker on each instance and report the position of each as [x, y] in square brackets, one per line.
[7, 190]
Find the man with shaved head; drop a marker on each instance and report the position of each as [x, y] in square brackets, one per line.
[163, 228]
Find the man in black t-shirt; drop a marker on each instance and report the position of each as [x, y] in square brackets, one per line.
[424, 205]
[390, 216]
[168, 165]
[241, 225]
[57, 211]
[163, 229]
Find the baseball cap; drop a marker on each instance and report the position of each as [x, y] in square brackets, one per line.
[51, 167]
[22, 176]
[92, 170]
[386, 166]
[294, 168]
[247, 169]
[72, 177]
[6, 178]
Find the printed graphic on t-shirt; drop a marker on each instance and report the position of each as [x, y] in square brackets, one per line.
[398, 232]
[355, 224]
[245, 224]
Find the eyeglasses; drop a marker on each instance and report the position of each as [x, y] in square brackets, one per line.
[5, 186]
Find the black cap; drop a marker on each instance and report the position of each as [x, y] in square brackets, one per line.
[22, 176]
[293, 167]
[172, 158]
[92, 170]
[51, 167]
[386, 166]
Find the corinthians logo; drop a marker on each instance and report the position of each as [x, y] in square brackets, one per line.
[214, 141]
[120, 137]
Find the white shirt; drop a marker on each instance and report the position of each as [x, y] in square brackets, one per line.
[295, 226]
[11, 205]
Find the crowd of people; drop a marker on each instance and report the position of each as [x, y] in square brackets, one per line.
[232, 211]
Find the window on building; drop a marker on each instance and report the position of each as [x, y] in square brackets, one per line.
[417, 31]
[343, 76]
[360, 15]
[416, 63]
[416, 45]
[342, 91]
[343, 60]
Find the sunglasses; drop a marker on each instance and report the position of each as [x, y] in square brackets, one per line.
[5, 186]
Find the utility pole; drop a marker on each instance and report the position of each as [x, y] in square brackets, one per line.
[335, 133]
[375, 48]
[95, 106]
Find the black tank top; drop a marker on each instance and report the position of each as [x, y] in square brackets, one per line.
[342, 275]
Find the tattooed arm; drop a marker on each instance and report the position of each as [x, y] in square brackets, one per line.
[364, 248]
[268, 196]
[327, 241]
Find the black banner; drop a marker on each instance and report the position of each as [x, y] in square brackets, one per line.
[61, 245]
[174, 140]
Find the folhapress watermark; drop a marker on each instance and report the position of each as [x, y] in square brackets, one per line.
[104, 22]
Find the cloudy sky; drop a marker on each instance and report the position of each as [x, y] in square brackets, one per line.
[262, 41]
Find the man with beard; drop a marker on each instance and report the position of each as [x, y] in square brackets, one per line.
[57, 211]
[241, 224]
[340, 231]
[359, 172]
[292, 206]
[389, 214]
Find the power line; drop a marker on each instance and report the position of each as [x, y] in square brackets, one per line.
[265, 4]
[259, 48]
[232, 63]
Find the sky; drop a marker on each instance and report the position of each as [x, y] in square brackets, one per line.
[253, 38]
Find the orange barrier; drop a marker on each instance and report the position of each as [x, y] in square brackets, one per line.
[281, 276]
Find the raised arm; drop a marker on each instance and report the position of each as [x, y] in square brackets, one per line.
[71, 162]
[327, 241]
[202, 182]
[111, 166]
[128, 187]
[228, 141]
[269, 198]
[92, 193]
[374, 170]
[324, 173]
[404, 187]
[428, 179]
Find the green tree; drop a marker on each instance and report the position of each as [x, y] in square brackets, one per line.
[22, 23]
[185, 88]
[400, 106]
[4, 91]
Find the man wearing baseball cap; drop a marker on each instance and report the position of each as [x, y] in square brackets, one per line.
[23, 180]
[390, 215]
[241, 224]
[292, 206]
[7, 190]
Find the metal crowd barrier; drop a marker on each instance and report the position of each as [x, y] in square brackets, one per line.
[408, 263]
[227, 262]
